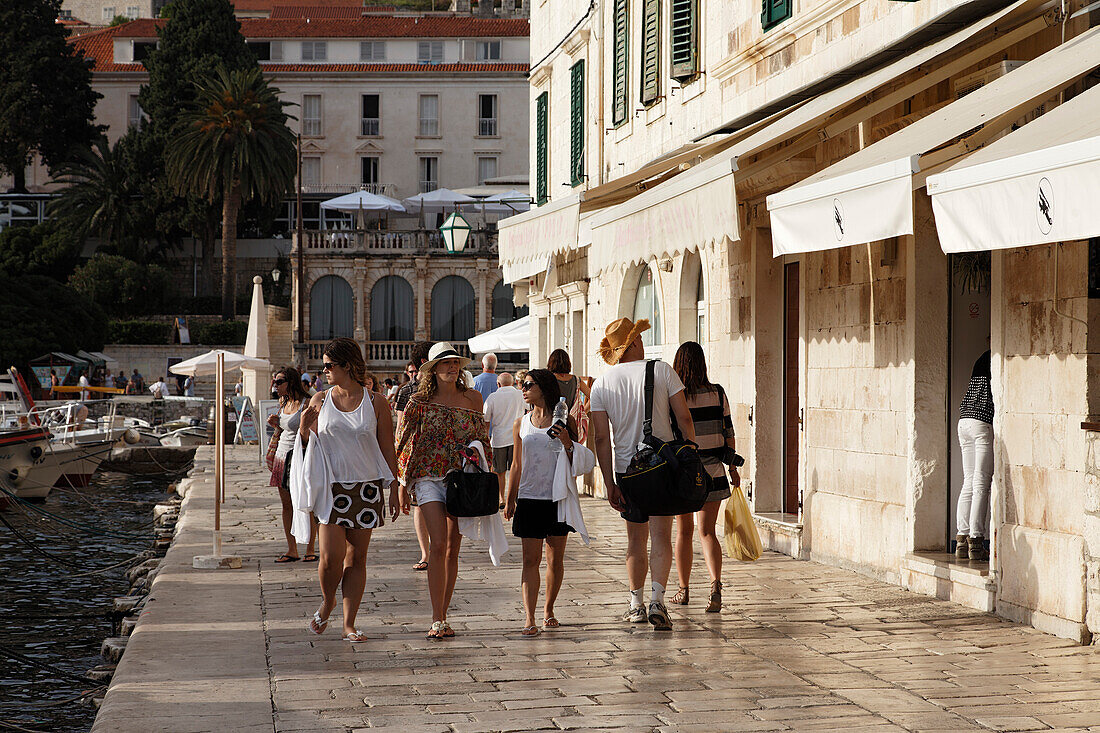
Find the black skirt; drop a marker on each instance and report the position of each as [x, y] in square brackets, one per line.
[538, 519]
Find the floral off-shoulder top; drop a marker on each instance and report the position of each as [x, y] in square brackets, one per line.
[429, 437]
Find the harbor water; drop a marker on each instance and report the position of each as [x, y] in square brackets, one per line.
[56, 612]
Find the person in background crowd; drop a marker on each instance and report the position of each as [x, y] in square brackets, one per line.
[571, 385]
[308, 387]
[189, 386]
[502, 409]
[417, 356]
[353, 431]
[238, 388]
[530, 503]
[389, 387]
[109, 380]
[710, 415]
[373, 383]
[444, 416]
[976, 441]
[521, 374]
[290, 389]
[85, 395]
[486, 382]
[618, 405]
[54, 384]
[137, 382]
[121, 381]
[159, 389]
[318, 384]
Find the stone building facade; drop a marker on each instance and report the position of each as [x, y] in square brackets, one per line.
[844, 346]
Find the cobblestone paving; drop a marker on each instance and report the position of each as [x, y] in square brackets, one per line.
[798, 646]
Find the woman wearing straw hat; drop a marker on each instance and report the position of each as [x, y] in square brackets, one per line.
[618, 403]
[443, 416]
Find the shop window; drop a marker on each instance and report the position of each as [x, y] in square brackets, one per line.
[647, 304]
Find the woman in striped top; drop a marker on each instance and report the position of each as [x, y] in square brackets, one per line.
[710, 412]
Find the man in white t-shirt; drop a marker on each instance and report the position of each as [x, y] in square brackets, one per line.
[159, 388]
[502, 408]
[618, 409]
[85, 395]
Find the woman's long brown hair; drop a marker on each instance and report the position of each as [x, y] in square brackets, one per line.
[346, 353]
[691, 366]
[295, 392]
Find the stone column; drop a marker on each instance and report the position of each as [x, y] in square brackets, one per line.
[421, 298]
[362, 299]
[484, 298]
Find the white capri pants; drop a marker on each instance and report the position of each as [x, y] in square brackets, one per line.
[976, 442]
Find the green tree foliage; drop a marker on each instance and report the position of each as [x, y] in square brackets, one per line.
[50, 249]
[118, 20]
[120, 286]
[233, 145]
[46, 100]
[226, 333]
[39, 315]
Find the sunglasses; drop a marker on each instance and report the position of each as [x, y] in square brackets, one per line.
[527, 385]
[326, 366]
[279, 381]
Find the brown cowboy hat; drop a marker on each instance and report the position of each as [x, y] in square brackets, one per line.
[618, 335]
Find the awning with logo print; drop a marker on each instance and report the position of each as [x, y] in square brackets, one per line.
[1039, 184]
[868, 195]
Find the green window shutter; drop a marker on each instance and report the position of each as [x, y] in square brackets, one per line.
[685, 38]
[775, 12]
[621, 78]
[576, 123]
[542, 147]
[651, 47]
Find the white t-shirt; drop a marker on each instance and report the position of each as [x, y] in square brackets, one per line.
[159, 389]
[620, 392]
[502, 409]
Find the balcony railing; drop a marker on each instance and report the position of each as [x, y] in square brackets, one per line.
[371, 127]
[381, 354]
[487, 127]
[421, 241]
[384, 189]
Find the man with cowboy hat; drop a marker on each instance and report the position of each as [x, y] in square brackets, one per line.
[618, 404]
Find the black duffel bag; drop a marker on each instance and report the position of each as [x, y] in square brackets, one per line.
[473, 493]
[664, 478]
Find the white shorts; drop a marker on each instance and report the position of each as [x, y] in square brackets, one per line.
[429, 489]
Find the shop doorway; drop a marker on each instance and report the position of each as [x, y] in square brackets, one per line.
[791, 405]
[969, 328]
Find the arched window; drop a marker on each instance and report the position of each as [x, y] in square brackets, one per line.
[452, 309]
[647, 304]
[700, 310]
[392, 314]
[503, 309]
[331, 309]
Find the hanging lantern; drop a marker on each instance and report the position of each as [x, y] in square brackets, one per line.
[456, 231]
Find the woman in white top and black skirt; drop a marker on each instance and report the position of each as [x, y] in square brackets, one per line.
[354, 432]
[530, 506]
[293, 398]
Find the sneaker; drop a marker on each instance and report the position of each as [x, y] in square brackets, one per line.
[962, 547]
[658, 616]
[977, 550]
[635, 615]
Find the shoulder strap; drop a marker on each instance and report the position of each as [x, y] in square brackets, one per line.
[647, 423]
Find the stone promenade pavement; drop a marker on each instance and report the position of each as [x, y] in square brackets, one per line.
[798, 646]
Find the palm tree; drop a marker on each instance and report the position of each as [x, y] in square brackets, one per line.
[99, 195]
[233, 145]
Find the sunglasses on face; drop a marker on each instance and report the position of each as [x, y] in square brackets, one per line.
[527, 385]
[277, 382]
[326, 366]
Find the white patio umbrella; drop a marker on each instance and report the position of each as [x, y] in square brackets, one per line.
[439, 201]
[362, 202]
[217, 362]
[513, 199]
[256, 346]
[514, 336]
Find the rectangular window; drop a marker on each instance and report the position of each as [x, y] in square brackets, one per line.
[488, 51]
[314, 50]
[429, 52]
[108, 13]
[651, 51]
[620, 82]
[372, 50]
[132, 11]
[134, 116]
[142, 50]
[369, 171]
[260, 49]
[311, 115]
[371, 124]
[542, 147]
[276, 50]
[429, 115]
[311, 170]
[486, 169]
[487, 115]
[775, 12]
[576, 123]
[685, 39]
[65, 14]
[429, 174]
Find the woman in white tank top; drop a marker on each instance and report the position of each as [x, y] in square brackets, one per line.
[353, 431]
[530, 503]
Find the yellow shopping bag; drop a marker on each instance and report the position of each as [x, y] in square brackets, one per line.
[742, 539]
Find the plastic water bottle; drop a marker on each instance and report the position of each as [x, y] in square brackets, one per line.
[561, 415]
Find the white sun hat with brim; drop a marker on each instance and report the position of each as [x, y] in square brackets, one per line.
[441, 351]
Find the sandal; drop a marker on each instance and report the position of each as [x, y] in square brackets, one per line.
[681, 597]
[715, 604]
[355, 637]
[317, 624]
[422, 565]
[530, 631]
[287, 558]
[310, 558]
[447, 631]
[436, 632]
[550, 623]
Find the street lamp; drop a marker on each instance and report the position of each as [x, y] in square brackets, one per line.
[276, 273]
[456, 230]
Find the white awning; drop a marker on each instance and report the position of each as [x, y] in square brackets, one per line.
[859, 199]
[527, 241]
[514, 336]
[1037, 185]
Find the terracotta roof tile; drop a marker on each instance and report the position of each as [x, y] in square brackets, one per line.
[314, 12]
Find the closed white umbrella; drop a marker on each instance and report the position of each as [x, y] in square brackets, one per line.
[514, 336]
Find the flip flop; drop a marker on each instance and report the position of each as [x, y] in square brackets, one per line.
[317, 624]
[355, 637]
[422, 565]
[550, 623]
[530, 631]
[447, 632]
[436, 632]
[310, 558]
[287, 558]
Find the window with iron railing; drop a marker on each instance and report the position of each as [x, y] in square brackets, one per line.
[136, 116]
[429, 174]
[371, 123]
[311, 115]
[429, 115]
[487, 115]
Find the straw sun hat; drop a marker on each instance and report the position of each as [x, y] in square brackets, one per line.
[618, 336]
[441, 351]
